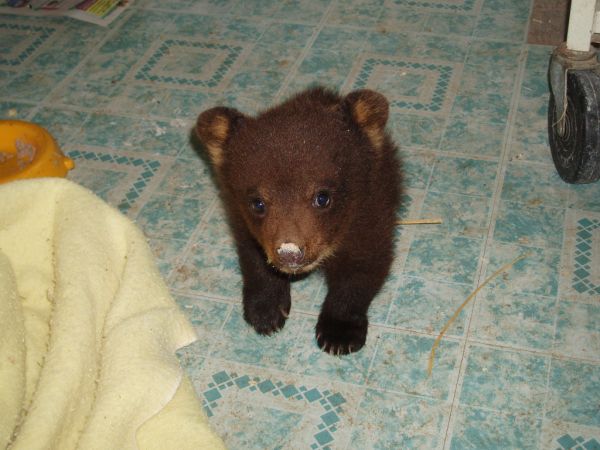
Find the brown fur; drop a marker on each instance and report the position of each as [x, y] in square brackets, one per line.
[287, 156]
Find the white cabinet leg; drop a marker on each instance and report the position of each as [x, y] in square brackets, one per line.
[581, 25]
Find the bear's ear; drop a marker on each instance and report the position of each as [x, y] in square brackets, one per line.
[370, 111]
[214, 127]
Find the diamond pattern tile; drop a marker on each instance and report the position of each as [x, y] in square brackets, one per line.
[178, 62]
[518, 368]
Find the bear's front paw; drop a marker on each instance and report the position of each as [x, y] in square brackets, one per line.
[266, 318]
[340, 337]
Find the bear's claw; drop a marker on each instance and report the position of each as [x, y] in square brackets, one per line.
[341, 337]
[266, 319]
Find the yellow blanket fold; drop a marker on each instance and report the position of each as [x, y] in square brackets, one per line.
[88, 330]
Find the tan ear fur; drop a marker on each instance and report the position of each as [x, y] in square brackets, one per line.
[370, 111]
[213, 127]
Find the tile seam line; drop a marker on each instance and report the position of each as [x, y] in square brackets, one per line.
[452, 154]
[435, 163]
[316, 379]
[192, 240]
[488, 240]
[564, 255]
[213, 342]
[304, 52]
[533, 352]
[302, 319]
[396, 285]
[505, 413]
[113, 111]
[201, 298]
[305, 314]
[461, 155]
[45, 103]
[203, 295]
[447, 119]
[324, 379]
[373, 28]
[454, 338]
[258, 19]
[380, 329]
[410, 233]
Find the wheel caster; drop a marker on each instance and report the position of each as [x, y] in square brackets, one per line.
[574, 125]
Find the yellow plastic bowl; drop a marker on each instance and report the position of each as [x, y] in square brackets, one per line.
[29, 151]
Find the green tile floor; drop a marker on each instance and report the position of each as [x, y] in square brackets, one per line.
[519, 369]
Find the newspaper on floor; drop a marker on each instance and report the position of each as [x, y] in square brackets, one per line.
[99, 12]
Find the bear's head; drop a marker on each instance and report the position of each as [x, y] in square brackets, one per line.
[298, 174]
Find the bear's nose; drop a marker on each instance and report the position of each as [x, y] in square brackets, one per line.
[290, 254]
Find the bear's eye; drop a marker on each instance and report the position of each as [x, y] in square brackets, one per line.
[322, 199]
[258, 206]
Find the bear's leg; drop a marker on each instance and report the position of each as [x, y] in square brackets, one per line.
[266, 293]
[342, 325]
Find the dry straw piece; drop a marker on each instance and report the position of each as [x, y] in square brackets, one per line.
[433, 221]
[436, 343]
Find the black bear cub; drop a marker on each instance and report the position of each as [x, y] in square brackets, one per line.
[311, 183]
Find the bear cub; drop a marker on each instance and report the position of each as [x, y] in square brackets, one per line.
[311, 183]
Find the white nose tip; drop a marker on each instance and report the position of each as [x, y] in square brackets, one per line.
[288, 247]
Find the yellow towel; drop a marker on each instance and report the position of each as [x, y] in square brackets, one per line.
[88, 330]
